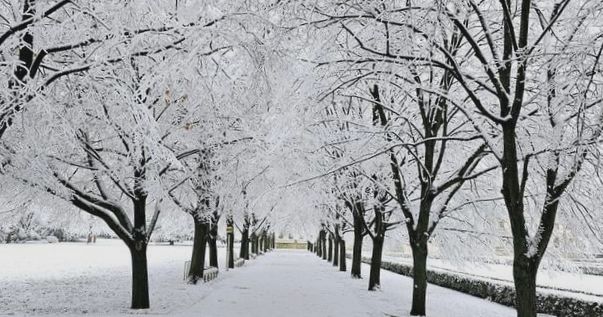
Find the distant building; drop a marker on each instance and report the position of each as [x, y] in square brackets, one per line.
[282, 243]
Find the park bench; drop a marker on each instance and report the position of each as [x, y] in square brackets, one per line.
[209, 273]
[239, 262]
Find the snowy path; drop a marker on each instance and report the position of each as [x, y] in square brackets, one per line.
[297, 283]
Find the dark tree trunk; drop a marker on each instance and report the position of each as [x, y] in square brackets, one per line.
[524, 276]
[524, 269]
[213, 240]
[195, 271]
[378, 238]
[138, 248]
[419, 254]
[357, 251]
[319, 246]
[324, 245]
[140, 276]
[244, 252]
[213, 252]
[260, 244]
[266, 242]
[213, 247]
[336, 251]
[375, 274]
[330, 253]
[342, 264]
[230, 242]
[254, 243]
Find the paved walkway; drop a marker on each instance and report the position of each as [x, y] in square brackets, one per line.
[297, 283]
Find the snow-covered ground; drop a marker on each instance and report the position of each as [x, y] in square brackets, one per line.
[578, 285]
[298, 283]
[75, 278]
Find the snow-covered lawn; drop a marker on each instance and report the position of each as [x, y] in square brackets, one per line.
[75, 278]
[577, 285]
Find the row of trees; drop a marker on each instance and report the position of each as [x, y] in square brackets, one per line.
[444, 118]
[135, 111]
[330, 246]
[436, 117]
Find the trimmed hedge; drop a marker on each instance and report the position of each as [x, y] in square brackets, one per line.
[548, 303]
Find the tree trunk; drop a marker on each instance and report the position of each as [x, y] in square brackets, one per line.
[318, 247]
[342, 266]
[524, 269]
[197, 266]
[357, 251]
[230, 243]
[138, 249]
[213, 247]
[378, 238]
[260, 243]
[524, 276]
[213, 252]
[244, 251]
[324, 245]
[330, 254]
[336, 251]
[375, 274]
[419, 255]
[254, 242]
[268, 243]
[140, 276]
[213, 240]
